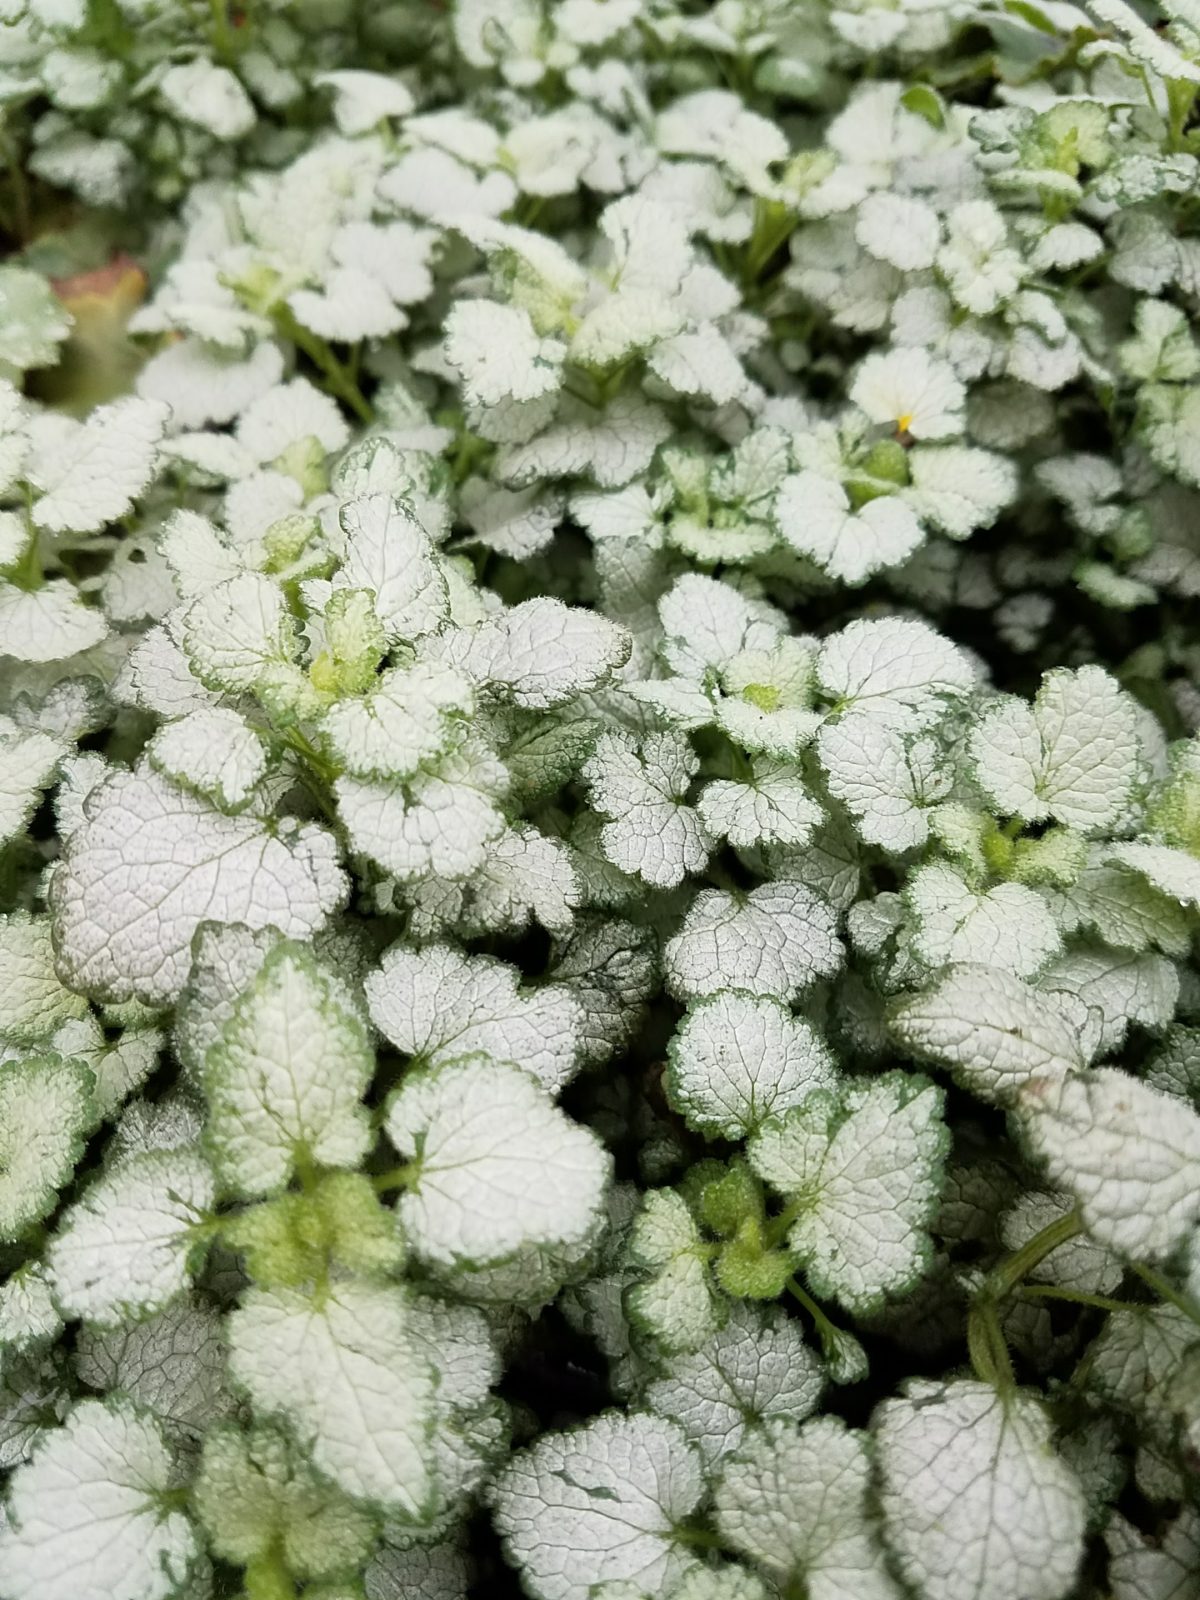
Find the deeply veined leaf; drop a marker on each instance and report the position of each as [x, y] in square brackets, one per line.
[606, 1497]
[975, 1501]
[995, 1032]
[151, 862]
[127, 1247]
[1072, 756]
[495, 1165]
[92, 1514]
[739, 1058]
[438, 1004]
[1126, 1151]
[344, 1373]
[795, 1501]
[284, 1082]
[46, 1107]
[862, 1170]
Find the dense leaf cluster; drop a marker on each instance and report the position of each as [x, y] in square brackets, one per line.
[599, 800]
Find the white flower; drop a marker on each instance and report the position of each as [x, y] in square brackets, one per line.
[912, 392]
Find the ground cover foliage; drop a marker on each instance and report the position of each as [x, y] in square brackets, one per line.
[599, 800]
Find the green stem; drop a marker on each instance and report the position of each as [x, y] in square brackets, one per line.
[1181, 97]
[221, 40]
[778, 1228]
[398, 1178]
[1166, 1290]
[335, 374]
[1002, 1280]
[979, 1349]
[827, 1331]
[22, 210]
[986, 1343]
[698, 1538]
[302, 746]
[268, 1575]
[773, 226]
[988, 1347]
[590, 396]
[1075, 1297]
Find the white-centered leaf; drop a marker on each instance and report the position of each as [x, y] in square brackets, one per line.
[707, 624]
[541, 652]
[1009, 926]
[235, 631]
[49, 623]
[361, 100]
[91, 1516]
[95, 478]
[29, 763]
[605, 1498]
[976, 1503]
[284, 1084]
[991, 1029]
[1072, 755]
[439, 1571]
[1157, 1567]
[815, 517]
[1174, 872]
[438, 1004]
[151, 862]
[959, 489]
[438, 824]
[651, 831]
[674, 1301]
[46, 1109]
[772, 807]
[888, 779]
[172, 1363]
[499, 354]
[343, 1371]
[28, 1315]
[33, 1003]
[408, 718]
[1127, 1152]
[125, 1249]
[1115, 989]
[899, 229]
[796, 1500]
[897, 668]
[757, 1366]
[388, 551]
[778, 939]
[699, 362]
[737, 1058]
[862, 1168]
[496, 1166]
[210, 96]
[212, 750]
